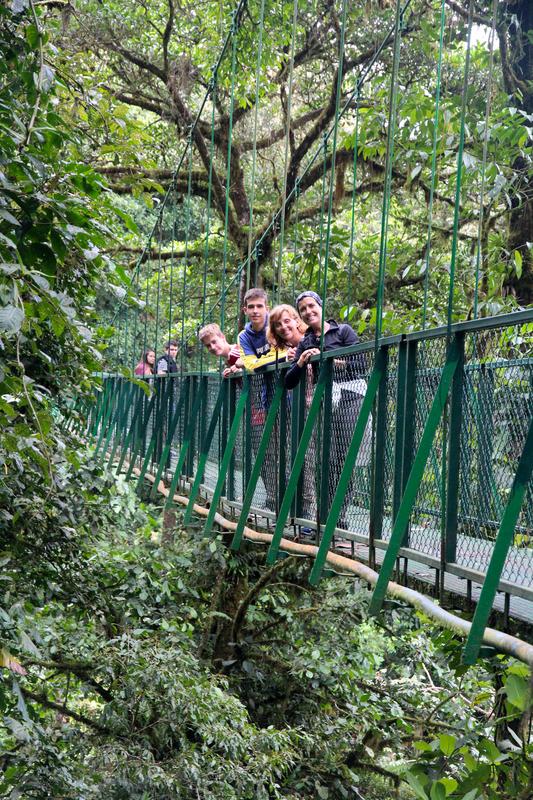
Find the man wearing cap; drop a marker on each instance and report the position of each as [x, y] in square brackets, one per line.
[349, 386]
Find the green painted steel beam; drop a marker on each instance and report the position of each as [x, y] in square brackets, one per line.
[415, 477]
[161, 395]
[454, 455]
[292, 485]
[111, 403]
[137, 411]
[171, 430]
[204, 452]
[260, 457]
[228, 452]
[348, 467]
[378, 477]
[502, 544]
[187, 439]
[121, 419]
[144, 422]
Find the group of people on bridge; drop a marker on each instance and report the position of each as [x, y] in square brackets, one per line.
[292, 334]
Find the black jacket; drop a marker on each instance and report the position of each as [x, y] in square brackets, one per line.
[336, 336]
[171, 364]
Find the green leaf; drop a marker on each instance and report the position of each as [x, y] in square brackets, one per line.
[11, 319]
[416, 785]
[450, 785]
[517, 691]
[438, 792]
[518, 263]
[5, 214]
[447, 744]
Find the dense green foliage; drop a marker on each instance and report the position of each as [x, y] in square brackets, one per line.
[143, 669]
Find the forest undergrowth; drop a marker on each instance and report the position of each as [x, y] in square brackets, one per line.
[144, 662]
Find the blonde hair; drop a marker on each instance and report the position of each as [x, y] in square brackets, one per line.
[210, 330]
[275, 315]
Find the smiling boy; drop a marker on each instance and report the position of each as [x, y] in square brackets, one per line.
[256, 352]
[255, 348]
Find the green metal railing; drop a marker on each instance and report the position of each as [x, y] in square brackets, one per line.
[426, 453]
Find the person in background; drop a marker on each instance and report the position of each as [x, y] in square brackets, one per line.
[215, 342]
[349, 387]
[145, 367]
[166, 364]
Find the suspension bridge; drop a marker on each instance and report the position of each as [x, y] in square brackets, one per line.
[442, 490]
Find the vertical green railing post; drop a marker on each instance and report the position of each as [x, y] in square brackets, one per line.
[454, 454]
[415, 476]
[325, 444]
[171, 429]
[161, 389]
[231, 467]
[228, 452]
[297, 426]
[248, 458]
[378, 492]
[292, 485]
[405, 424]
[279, 396]
[282, 451]
[111, 405]
[348, 467]
[501, 547]
[203, 419]
[139, 404]
[204, 453]
[121, 419]
[189, 461]
[188, 434]
[148, 410]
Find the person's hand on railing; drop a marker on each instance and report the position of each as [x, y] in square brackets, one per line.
[306, 355]
[231, 370]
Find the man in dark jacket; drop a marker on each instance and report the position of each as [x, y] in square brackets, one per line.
[349, 387]
[167, 363]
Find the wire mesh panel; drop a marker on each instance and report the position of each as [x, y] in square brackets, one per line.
[497, 407]
[390, 441]
[267, 492]
[424, 532]
[350, 382]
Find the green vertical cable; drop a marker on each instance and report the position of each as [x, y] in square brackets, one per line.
[158, 294]
[457, 208]
[136, 289]
[287, 138]
[254, 153]
[322, 204]
[393, 106]
[354, 192]
[147, 297]
[171, 271]
[186, 255]
[234, 30]
[295, 240]
[433, 161]
[125, 360]
[213, 91]
[484, 158]
[340, 70]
